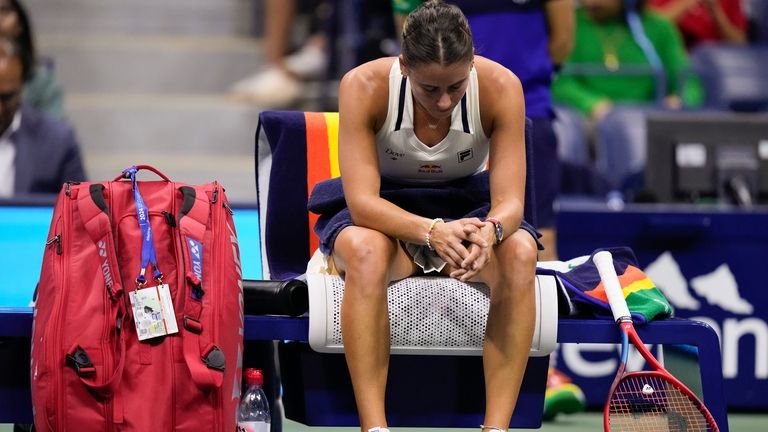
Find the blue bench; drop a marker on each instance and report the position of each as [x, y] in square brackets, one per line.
[324, 397]
[316, 389]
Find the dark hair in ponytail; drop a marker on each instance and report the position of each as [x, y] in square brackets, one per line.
[436, 32]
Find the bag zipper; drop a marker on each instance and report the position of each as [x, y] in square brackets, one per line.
[49, 350]
[108, 305]
[216, 278]
[55, 240]
[68, 187]
[58, 319]
[170, 219]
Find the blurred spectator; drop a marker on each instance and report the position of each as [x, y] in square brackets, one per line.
[40, 88]
[756, 12]
[281, 84]
[37, 152]
[705, 20]
[608, 57]
[626, 60]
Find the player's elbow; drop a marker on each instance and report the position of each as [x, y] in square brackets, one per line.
[360, 210]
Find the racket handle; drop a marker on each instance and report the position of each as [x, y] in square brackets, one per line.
[604, 262]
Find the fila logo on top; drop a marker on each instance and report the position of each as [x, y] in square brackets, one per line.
[718, 289]
[464, 155]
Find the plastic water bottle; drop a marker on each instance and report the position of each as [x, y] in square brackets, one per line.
[253, 411]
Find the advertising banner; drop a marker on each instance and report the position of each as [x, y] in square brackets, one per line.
[710, 266]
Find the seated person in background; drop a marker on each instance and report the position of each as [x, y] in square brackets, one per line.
[37, 153]
[403, 120]
[41, 90]
[705, 20]
[603, 37]
[626, 61]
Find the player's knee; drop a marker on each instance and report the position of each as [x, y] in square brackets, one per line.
[367, 253]
[522, 250]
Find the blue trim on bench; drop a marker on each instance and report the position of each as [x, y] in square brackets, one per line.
[17, 323]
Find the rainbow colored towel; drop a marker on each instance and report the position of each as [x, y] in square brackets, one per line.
[586, 292]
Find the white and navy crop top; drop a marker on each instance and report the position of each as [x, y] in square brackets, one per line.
[404, 158]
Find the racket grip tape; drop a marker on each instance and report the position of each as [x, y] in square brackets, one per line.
[604, 262]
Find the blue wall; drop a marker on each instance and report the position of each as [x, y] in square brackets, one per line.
[23, 232]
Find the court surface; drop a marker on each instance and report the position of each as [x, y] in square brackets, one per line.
[582, 422]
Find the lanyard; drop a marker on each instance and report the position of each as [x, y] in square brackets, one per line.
[147, 243]
[640, 36]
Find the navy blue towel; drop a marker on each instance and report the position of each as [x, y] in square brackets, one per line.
[466, 197]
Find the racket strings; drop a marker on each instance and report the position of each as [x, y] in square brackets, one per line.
[651, 403]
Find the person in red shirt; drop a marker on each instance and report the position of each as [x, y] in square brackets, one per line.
[705, 20]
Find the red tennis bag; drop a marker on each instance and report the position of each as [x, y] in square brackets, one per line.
[138, 322]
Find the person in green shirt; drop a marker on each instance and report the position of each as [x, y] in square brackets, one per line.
[615, 67]
[608, 66]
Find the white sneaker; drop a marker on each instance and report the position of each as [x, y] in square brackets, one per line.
[270, 88]
[310, 62]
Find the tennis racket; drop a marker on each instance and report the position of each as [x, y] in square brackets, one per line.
[645, 400]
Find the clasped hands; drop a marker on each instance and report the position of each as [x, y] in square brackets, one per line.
[465, 244]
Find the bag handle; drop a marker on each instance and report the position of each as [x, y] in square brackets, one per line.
[204, 359]
[87, 374]
[94, 214]
[126, 172]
